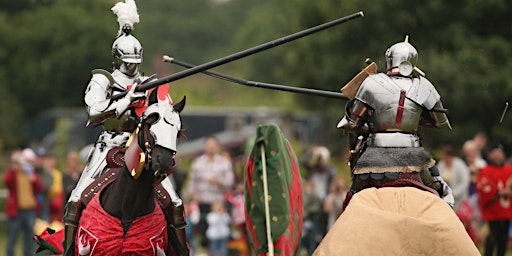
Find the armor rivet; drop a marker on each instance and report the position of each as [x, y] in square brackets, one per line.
[284, 195]
[158, 191]
[272, 153]
[165, 197]
[86, 195]
[269, 197]
[99, 184]
[274, 218]
[279, 174]
[106, 179]
[92, 189]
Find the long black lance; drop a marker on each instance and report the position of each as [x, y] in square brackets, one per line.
[308, 91]
[239, 55]
[322, 93]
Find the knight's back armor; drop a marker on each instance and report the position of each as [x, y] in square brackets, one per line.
[390, 109]
[395, 104]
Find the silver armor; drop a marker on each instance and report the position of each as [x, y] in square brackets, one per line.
[127, 53]
[401, 58]
[395, 103]
[386, 113]
[118, 118]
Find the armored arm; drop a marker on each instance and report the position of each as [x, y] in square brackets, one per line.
[435, 119]
[426, 95]
[98, 98]
[356, 113]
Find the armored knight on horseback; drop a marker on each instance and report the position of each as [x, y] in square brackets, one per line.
[383, 116]
[119, 118]
[397, 204]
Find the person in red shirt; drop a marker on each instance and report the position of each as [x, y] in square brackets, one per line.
[494, 188]
[23, 185]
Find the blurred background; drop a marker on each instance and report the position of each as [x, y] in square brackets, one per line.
[49, 47]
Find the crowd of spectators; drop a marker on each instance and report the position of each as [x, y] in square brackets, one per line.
[479, 174]
[37, 191]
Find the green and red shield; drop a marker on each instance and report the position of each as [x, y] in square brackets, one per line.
[284, 193]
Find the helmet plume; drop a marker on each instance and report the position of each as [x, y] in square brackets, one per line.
[126, 15]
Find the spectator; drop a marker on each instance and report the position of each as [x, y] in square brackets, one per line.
[55, 191]
[494, 191]
[193, 216]
[456, 173]
[312, 215]
[73, 169]
[218, 229]
[474, 161]
[480, 140]
[211, 176]
[23, 185]
[333, 204]
[236, 200]
[321, 174]
[37, 160]
[316, 162]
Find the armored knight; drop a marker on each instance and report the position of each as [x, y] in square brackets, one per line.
[118, 119]
[383, 116]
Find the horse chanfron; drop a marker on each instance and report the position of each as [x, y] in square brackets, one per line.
[161, 127]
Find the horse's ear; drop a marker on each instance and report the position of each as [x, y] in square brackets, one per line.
[153, 97]
[180, 105]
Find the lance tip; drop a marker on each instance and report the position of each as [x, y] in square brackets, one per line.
[504, 111]
[167, 59]
[361, 13]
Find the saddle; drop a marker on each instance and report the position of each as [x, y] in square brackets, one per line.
[115, 162]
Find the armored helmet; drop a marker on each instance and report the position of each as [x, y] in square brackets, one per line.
[126, 48]
[401, 58]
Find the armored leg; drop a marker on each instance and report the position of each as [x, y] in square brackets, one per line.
[176, 228]
[433, 179]
[72, 213]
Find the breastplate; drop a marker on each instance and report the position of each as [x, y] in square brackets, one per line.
[127, 122]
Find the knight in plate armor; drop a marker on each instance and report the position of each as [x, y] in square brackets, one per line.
[118, 118]
[383, 117]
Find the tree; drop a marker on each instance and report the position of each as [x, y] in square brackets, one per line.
[466, 55]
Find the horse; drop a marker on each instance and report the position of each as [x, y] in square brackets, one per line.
[123, 215]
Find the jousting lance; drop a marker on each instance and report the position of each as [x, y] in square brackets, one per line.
[322, 93]
[241, 54]
[308, 91]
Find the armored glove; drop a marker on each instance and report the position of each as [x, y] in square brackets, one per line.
[123, 103]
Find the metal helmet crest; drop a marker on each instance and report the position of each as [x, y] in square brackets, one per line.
[401, 58]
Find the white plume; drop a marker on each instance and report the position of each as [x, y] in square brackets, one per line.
[126, 13]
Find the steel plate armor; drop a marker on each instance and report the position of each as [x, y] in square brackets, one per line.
[385, 116]
[119, 119]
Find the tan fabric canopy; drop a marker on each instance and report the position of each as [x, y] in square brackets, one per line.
[397, 221]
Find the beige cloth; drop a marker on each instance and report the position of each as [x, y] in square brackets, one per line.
[397, 221]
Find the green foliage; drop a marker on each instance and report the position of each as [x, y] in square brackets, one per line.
[50, 47]
[466, 56]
